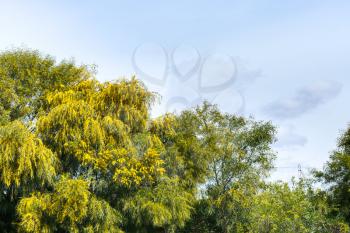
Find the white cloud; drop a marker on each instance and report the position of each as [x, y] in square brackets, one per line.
[289, 138]
[304, 100]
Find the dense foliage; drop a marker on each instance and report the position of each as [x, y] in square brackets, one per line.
[78, 155]
[336, 176]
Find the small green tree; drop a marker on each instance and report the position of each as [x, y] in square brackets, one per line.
[237, 156]
[336, 176]
[281, 208]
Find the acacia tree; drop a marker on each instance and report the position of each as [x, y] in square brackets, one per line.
[79, 155]
[27, 76]
[26, 164]
[101, 136]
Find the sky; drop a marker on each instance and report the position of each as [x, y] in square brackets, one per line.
[281, 61]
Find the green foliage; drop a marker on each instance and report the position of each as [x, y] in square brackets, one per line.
[280, 208]
[77, 155]
[336, 175]
[270, 208]
[26, 76]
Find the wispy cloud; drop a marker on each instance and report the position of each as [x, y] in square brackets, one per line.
[289, 138]
[304, 100]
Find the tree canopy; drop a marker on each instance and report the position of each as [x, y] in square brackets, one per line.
[336, 176]
[79, 155]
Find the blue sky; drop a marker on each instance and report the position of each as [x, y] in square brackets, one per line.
[284, 61]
